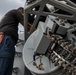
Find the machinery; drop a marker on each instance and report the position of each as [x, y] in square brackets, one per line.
[50, 47]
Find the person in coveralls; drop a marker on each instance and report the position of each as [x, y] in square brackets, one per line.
[8, 39]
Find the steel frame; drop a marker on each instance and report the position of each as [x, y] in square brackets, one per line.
[70, 7]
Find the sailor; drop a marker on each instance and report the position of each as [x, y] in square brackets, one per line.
[8, 38]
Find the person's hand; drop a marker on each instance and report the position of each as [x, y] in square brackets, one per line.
[30, 26]
[1, 38]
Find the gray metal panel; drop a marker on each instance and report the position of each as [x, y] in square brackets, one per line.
[40, 30]
[43, 45]
[49, 23]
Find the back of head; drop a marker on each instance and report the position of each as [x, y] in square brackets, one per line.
[21, 9]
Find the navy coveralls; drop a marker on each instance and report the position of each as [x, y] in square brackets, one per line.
[7, 52]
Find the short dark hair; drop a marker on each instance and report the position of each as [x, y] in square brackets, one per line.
[21, 8]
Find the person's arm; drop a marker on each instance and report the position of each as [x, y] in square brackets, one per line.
[1, 36]
[29, 25]
[22, 22]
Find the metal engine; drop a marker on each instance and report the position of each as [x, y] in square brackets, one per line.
[50, 48]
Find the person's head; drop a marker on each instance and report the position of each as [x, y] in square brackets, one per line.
[21, 9]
